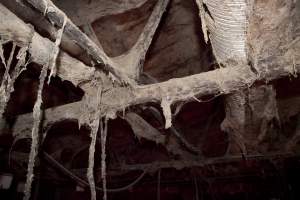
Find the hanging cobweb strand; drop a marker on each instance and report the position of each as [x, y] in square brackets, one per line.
[55, 51]
[90, 171]
[7, 84]
[166, 107]
[94, 125]
[35, 133]
[2, 55]
[5, 78]
[103, 157]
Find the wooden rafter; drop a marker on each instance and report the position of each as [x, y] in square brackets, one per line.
[15, 29]
[56, 16]
[224, 81]
[128, 64]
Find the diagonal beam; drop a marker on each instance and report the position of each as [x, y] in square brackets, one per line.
[143, 129]
[43, 26]
[128, 64]
[13, 28]
[57, 16]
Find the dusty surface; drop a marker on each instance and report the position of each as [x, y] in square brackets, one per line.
[279, 49]
[249, 118]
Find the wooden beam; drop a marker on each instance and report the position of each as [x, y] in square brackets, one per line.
[44, 27]
[129, 64]
[69, 68]
[181, 164]
[57, 17]
[224, 81]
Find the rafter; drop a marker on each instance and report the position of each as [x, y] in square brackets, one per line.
[128, 64]
[142, 129]
[57, 16]
[181, 164]
[224, 80]
[42, 26]
[69, 68]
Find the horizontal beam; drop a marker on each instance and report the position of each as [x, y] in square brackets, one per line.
[219, 81]
[181, 164]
